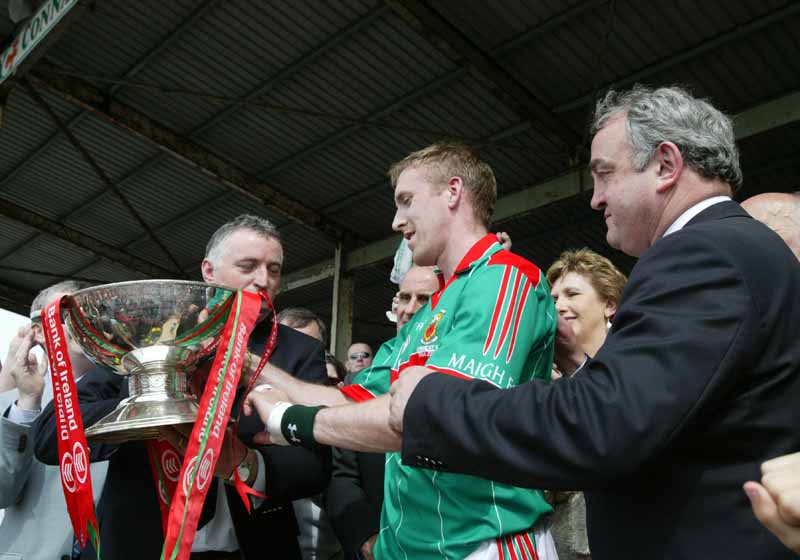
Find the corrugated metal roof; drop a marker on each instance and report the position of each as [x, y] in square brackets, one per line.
[335, 93]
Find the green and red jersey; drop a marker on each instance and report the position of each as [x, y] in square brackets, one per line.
[494, 321]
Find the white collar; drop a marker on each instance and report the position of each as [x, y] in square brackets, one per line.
[684, 218]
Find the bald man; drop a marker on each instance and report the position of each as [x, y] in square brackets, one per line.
[781, 213]
[776, 501]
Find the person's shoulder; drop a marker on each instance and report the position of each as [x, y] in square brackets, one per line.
[297, 337]
[505, 264]
[299, 342]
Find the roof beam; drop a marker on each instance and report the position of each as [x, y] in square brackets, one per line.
[95, 101]
[60, 231]
[454, 44]
[760, 118]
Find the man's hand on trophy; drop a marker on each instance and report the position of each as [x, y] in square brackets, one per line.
[24, 370]
[262, 400]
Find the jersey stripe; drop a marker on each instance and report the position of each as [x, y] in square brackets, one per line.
[510, 545]
[358, 393]
[523, 551]
[500, 554]
[498, 306]
[509, 314]
[520, 309]
[530, 547]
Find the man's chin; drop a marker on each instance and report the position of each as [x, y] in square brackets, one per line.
[612, 240]
[421, 259]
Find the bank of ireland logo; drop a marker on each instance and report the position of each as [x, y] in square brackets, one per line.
[74, 467]
[187, 475]
[206, 469]
[81, 461]
[429, 334]
[68, 472]
[171, 465]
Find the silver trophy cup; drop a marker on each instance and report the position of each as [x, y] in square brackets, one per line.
[154, 332]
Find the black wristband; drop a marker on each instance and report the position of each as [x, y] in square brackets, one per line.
[297, 425]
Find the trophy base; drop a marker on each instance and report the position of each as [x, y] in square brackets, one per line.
[140, 417]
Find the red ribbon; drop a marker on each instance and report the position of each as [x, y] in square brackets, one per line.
[241, 488]
[73, 452]
[205, 442]
[166, 464]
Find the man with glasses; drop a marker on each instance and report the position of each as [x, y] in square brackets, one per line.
[359, 356]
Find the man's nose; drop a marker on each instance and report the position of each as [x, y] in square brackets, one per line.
[598, 200]
[398, 222]
[260, 278]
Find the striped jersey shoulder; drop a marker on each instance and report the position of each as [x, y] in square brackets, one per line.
[524, 266]
[520, 278]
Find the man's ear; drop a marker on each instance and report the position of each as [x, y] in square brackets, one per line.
[455, 190]
[669, 166]
[207, 268]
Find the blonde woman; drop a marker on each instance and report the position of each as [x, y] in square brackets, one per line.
[586, 288]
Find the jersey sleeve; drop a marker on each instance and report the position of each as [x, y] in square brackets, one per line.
[504, 328]
[373, 381]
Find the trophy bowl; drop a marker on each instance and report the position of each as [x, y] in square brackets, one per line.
[154, 332]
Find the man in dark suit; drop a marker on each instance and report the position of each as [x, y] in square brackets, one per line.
[245, 253]
[698, 381]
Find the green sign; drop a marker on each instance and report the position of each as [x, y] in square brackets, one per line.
[36, 29]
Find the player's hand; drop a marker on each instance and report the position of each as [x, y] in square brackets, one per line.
[504, 239]
[401, 391]
[261, 400]
[776, 501]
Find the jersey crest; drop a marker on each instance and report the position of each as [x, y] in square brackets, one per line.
[429, 334]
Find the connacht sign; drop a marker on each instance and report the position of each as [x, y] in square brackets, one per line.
[30, 42]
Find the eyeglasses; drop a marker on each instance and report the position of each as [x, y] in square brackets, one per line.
[359, 355]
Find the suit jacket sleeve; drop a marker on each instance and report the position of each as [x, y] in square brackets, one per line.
[678, 341]
[99, 393]
[352, 515]
[16, 460]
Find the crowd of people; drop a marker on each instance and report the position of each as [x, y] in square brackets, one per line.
[573, 413]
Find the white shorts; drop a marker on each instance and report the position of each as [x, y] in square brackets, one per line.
[519, 546]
